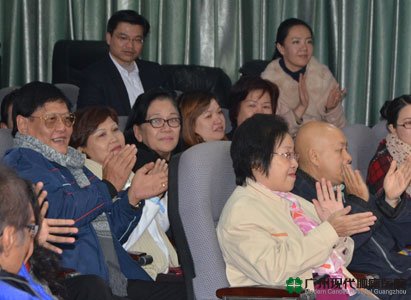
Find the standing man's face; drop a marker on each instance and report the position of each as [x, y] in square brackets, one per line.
[126, 43]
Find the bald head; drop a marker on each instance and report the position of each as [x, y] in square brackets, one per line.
[313, 135]
[323, 150]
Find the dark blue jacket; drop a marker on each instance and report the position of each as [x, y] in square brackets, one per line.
[376, 251]
[68, 201]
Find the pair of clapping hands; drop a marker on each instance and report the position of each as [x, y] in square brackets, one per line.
[335, 96]
[330, 208]
[396, 182]
[149, 181]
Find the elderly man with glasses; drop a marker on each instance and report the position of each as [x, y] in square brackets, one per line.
[43, 125]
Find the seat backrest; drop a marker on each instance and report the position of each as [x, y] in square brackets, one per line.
[228, 126]
[205, 180]
[191, 77]
[380, 130]
[253, 67]
[362, 145]
[122, 121]
[71, 92]
[6, 90]
[71, 57]
[6, 141]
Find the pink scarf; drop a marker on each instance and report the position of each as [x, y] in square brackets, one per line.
[333, 265]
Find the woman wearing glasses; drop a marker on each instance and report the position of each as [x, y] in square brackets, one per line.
[154, 126]
[17, 235]
[96, 134]
[104, 216]
[396, 146]
[268, 234]
[203, 119]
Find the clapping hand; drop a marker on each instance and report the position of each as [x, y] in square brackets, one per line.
[304, 98]
[149, 181]
[334, 98]
[331, 209]
[354, 183]
[397, 180]
[117, 167]
[326, 204]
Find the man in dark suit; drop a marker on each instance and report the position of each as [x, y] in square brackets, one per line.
[121, 76]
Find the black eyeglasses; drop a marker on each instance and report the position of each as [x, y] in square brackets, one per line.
[406, 125]
[159, 122]
[33, 230]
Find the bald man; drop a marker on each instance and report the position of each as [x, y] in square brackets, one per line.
[324, 153]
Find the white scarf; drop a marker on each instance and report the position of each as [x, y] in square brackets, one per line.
[399, 151]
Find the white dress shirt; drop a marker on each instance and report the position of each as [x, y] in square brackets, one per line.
[131, 79]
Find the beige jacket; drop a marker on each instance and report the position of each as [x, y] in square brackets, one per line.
[262, 245]
[320, 81]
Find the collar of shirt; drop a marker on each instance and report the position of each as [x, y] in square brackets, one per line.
[123, 70]
[131, 80]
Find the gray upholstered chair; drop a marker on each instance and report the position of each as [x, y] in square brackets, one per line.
[6, 90]
[122, 121]
[228, 126]
[70, 91]
[361, 145]
[201, 180]
[6, 141]
[380, 130]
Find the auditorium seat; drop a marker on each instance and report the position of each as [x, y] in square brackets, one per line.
[71, 92]
[253, 67]
[380, 130]
[361, 144]
[201, 179]
[6, 141]
[70, 58]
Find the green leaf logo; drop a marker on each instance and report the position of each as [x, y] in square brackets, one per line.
[294, 285]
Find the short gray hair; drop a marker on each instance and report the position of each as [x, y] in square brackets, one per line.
[16, 199]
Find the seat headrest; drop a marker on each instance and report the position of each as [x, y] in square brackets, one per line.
[6, 140]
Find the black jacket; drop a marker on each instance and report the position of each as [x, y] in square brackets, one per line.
[102, 84]
[376, 251]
